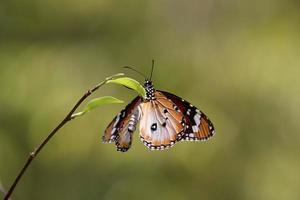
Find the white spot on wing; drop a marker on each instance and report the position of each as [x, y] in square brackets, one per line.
[197, 119]
[195, 129]
[114, 129]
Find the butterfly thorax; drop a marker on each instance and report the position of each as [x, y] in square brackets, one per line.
[150, 91]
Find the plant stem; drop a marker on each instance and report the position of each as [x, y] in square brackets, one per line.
[68, 118]
[2, 190]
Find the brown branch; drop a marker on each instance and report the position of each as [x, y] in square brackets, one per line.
[68, 118]
[2, 189]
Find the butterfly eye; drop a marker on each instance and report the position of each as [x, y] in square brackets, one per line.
[154, 127]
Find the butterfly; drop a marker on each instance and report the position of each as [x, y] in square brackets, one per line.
[165, 119]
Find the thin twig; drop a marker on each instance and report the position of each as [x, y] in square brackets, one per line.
[2, 189]
[68, 118]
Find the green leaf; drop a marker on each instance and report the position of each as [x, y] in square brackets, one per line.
[130, 83]
[95, 103]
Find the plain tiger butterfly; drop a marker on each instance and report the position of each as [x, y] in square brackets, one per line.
[165, 119]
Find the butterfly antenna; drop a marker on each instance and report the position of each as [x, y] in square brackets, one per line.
[140, 73]
[152, 69]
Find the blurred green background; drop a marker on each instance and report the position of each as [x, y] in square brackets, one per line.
[238, 61]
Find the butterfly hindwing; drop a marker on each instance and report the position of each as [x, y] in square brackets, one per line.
[161, 124]
[197, 125]
[120, 130]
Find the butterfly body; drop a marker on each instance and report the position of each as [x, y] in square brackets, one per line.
[165, 119]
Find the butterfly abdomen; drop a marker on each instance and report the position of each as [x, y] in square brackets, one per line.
[134, 119]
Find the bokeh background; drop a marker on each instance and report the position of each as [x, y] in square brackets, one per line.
[238, 61]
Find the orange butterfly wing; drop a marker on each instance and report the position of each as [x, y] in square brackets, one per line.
[160, 127]
[120, 130]
[198, 126]
[164, 120]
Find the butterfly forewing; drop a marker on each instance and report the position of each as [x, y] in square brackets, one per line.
[120, 130]
[197, 125]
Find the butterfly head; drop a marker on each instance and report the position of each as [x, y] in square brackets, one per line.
[148, 85]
